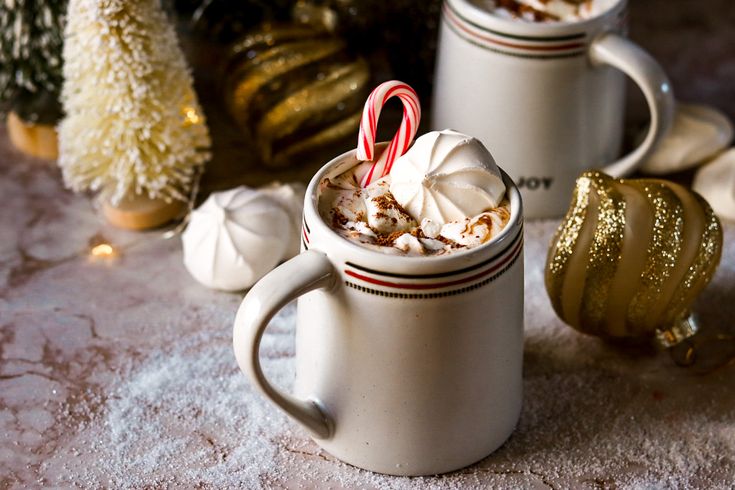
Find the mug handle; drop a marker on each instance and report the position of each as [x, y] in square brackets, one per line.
[616, 51]
[306, 272]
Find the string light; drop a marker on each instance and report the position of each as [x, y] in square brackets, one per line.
[103, 251]
[191, 116]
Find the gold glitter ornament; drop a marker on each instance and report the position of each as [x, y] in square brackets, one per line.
[631, 256]
[294, 89]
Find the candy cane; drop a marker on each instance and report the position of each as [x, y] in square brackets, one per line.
[369, 123]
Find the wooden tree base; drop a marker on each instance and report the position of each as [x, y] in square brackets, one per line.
[141, 212]
[38, 140]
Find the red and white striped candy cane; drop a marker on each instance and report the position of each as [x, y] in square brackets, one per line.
[369, 123]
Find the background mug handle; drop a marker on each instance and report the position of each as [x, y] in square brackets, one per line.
[616, 51]
[306, 272]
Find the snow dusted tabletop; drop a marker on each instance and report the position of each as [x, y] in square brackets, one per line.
[120, 373]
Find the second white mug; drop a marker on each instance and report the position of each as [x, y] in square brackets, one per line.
[547, 99]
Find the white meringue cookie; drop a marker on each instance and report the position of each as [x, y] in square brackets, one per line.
[698, 133]
[291, 197]
[716, 183]
[446, 176]
[361, 228]
[237, 236]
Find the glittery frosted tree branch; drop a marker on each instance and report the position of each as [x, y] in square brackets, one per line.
[30, 58]
[133, 124]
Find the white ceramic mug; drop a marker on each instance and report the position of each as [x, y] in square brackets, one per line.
[547, 99]
[404, 365]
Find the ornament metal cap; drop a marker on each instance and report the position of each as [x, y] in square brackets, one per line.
[684, 328]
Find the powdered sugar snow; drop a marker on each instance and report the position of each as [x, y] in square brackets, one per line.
[594, 417]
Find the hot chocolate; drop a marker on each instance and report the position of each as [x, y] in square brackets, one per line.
[444, 195]
[544, 10]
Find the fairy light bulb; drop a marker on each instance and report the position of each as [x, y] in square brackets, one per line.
[191, 116]
[103, 251]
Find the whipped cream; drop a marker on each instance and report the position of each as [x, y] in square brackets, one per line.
[545, 10]
[446, 176]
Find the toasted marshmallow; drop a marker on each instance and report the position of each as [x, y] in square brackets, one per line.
[384, 215]
[433, 245]
[474, 231]
[559, 10]
[430, 228]
[409, 243]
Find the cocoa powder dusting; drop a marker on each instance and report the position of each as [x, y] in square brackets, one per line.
[388, 240]
[388, 202]
[339, 220]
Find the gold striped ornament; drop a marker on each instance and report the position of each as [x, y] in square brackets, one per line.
[294, 89]
[630, 258]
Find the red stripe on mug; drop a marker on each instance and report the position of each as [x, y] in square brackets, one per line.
[451, 16]
[437, 285]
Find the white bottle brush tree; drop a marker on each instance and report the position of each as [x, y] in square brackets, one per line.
[133, 124]
[30, 58]
[31, 36]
